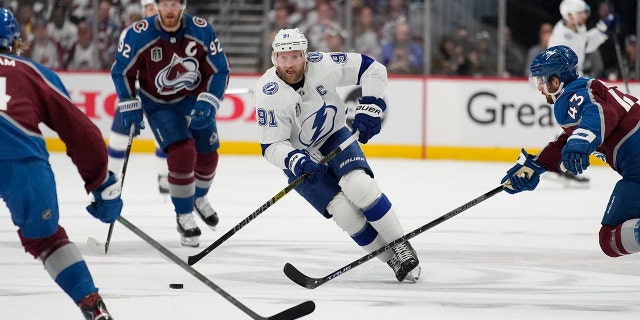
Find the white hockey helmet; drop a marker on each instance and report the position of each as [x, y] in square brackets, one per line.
[289, 40]
[572, 7]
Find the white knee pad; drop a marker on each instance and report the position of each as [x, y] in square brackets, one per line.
[360, 188]
[345, 214]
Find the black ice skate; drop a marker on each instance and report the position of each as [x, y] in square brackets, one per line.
[206, 212]
[189, 231]
[405, 262]
[93, 308]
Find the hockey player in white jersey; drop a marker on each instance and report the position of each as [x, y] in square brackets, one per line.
[572, 31]
[301, 118]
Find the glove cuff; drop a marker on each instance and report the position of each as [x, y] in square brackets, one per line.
[110, 188]
[211, 99]
[528, 160]
[129, 105]
[373, 100]
[369, 109]
[292, 160]
[602, 26]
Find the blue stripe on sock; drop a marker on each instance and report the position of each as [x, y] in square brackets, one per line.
[379, 209]
[365, 236]
[183, 205]
[115, 153]
[76, 281]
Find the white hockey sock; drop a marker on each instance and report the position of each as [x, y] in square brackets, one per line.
[377, 243]
[117, 147]
[384, 219]
[350, 219]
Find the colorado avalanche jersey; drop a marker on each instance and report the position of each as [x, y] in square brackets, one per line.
[291, 119]
[611, 115]
[31, 94]
[170, 65]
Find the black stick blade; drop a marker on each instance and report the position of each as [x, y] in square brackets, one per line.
[300, 278]
[295, 312]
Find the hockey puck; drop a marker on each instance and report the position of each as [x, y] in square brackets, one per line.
[176, 285]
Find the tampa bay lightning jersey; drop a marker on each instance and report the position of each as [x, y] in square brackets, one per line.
[611, 115]
[291, 119]
[170, 65]
[31, 94]
[580, 41]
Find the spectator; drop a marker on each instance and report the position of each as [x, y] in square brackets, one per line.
[44, 49]
[451, 59]
[61, 29]
[366, 37]
[335, 40]
[84, 54]
[544, 32]
[463, 38]
[312, 16]
[292, 17]
[630, 55]
[514, 56]
[26, 19]
[326, 20]
[410, 52]
[280, 21]
[80, 9]
[396, 13]
[483, 56]
[108, 34]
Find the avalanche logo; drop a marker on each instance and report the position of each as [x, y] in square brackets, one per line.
[199, 22]
[140, 26]
[318, 125]
[182, 73]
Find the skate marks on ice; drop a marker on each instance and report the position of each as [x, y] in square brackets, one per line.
[528, 256]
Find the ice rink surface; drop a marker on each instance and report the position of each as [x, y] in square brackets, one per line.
[534, 255]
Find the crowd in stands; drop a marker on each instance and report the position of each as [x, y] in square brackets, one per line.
[73, 35]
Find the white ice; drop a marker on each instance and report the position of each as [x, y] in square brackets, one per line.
[534, 255]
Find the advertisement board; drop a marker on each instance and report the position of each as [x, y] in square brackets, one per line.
[427, 117]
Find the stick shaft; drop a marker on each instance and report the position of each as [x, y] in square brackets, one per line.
[127, 152]
[191, 260]
[291, 313]
[310, 283]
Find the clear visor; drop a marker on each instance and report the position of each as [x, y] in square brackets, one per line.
[537, 83]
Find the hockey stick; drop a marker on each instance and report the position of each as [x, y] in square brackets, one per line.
[92, 242]
[624, 72]
[311, 283]
[191, 260]
[294, 312]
